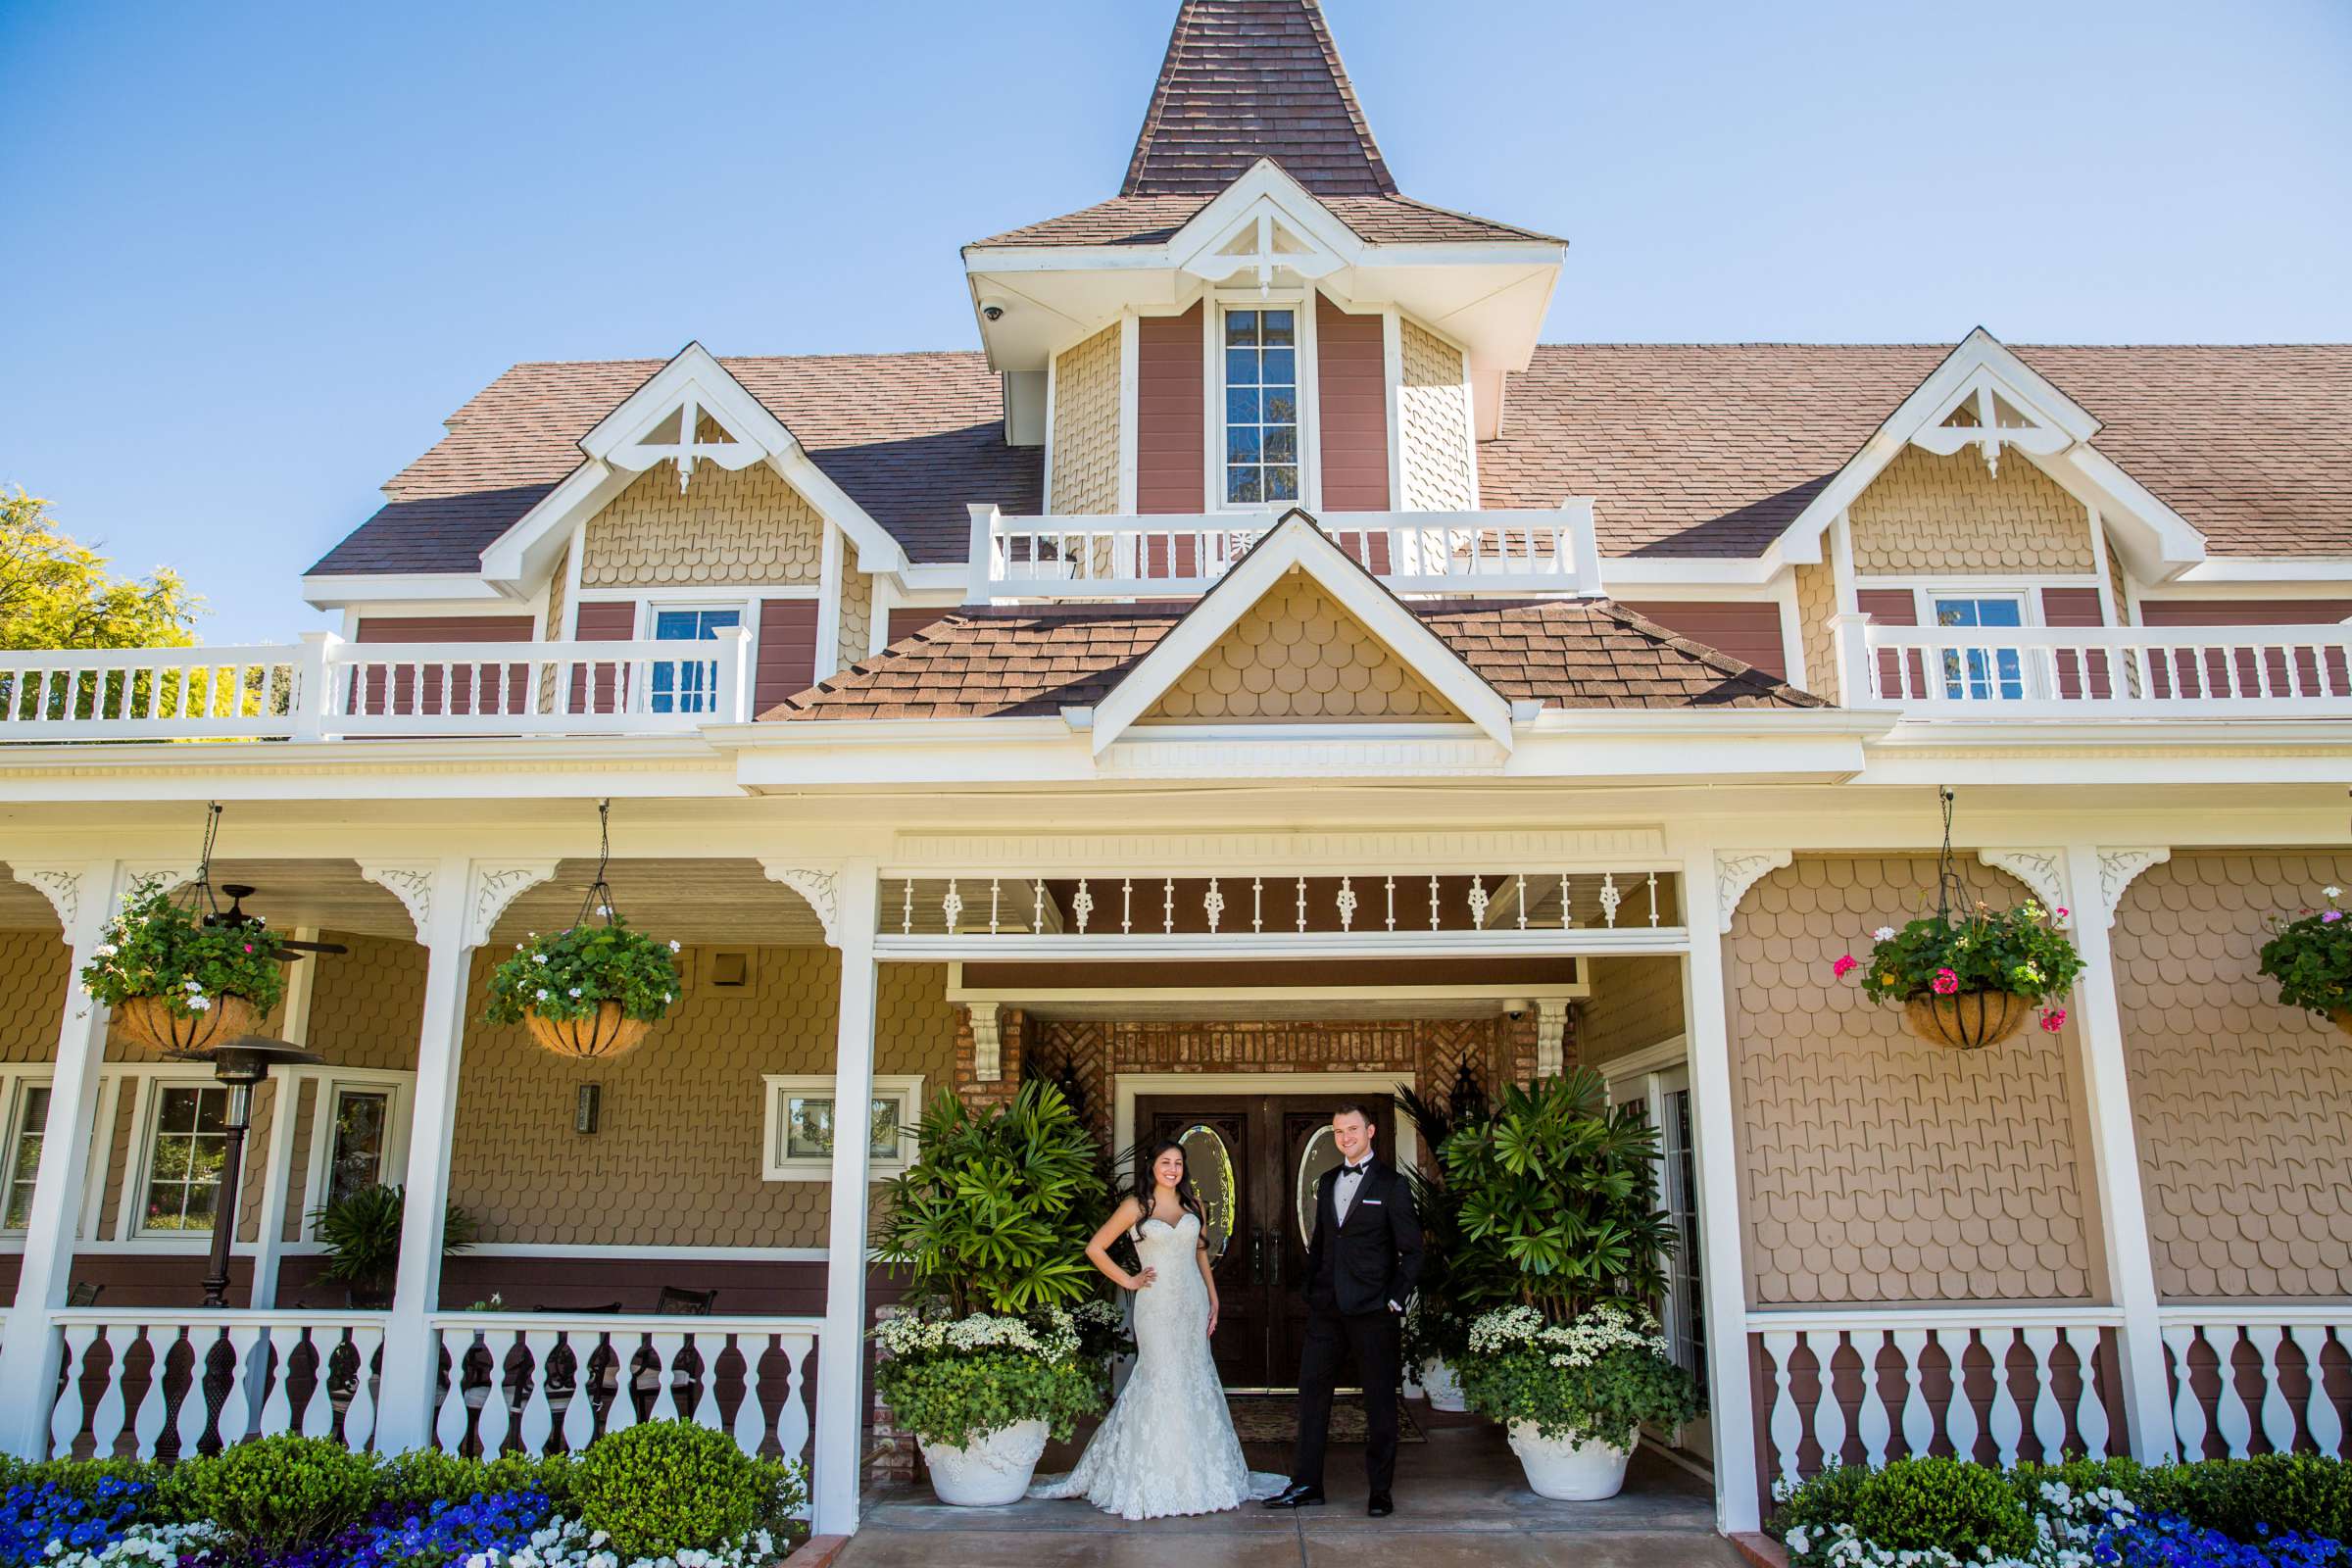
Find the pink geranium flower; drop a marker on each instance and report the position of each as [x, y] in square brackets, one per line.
[1946, 982]
[2053, 1021]
[1845, 966]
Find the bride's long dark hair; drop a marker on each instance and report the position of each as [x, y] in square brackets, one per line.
[1147, 1184]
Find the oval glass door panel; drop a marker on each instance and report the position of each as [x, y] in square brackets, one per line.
[1322, 1151]
[1209, 1163]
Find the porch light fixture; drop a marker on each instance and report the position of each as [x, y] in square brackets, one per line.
[241, 1064]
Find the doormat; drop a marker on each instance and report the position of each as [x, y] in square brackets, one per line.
[1274, 1418]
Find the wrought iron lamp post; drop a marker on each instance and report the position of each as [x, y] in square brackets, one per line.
[241, 1064]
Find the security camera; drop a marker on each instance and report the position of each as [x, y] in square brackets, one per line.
[1514, 1010]
[991, 310]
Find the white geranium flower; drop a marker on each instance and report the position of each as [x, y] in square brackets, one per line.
[1884, 932]
[106, 949]
[200, 1004]
[538, 957]
[2333, 893]
[543, 993]
[665, 998]
[675, 947]
[576, 991]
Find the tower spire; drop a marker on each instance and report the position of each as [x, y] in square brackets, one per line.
[1245, 79]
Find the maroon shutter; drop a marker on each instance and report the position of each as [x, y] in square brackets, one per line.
[2211, 677]
[1747, 629]
[1351, 372]
[602, 620]
[503, 689]
[787, 659]
[1170, 414]
[2077, 607]
[1894, 607]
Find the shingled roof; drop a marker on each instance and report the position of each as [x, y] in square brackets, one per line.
[1713, 449]
[1027, 662]
[913, 438]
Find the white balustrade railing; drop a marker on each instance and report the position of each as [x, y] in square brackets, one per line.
[2078, 673]
[1991, 1385]
[1177, 556]
[537, 1380]
[139, 1382]
[2270, 1380]
[1257, 907]
[327, 688]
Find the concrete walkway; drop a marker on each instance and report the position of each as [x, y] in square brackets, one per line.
[1461, 1499]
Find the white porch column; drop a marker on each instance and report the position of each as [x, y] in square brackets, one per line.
[277, 1167]
[845, 900]
[2097, 878]
[454, 903]
[1712, 885]
[83, 896]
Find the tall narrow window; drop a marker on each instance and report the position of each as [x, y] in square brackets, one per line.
[32, 1125]
[363, 1118]
[184, 1158]
[687, 685]
[1261, 406]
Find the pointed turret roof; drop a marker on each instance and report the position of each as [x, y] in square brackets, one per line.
[1245, 79]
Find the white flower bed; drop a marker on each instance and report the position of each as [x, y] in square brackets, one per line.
[1578, 1344]
[570, 1544]
[2070, 1524]
[146, 1547]
[909, 1335]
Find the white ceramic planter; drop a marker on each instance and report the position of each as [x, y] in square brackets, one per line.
[1569, 1472]
[1444, 1387]
[988, 1473]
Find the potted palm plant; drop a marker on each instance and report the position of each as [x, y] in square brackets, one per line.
[178, 984]
[1435, 1331]
[1564, 1249]
[986, 1357]
[360, 1232]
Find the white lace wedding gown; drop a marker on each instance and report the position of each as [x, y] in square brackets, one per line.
[1168, 1445]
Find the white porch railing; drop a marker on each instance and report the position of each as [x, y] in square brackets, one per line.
[1989, 1384]
[1181, 555]
[136, 1382]
[2089, 672]
[536, 1380]
[2270, 1380]
[326, 688]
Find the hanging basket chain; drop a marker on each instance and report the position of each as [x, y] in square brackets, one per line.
[196, 897]
[1947, 875]
[600, 892]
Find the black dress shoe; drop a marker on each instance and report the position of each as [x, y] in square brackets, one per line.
[1380, 1507]
[1295, 1495]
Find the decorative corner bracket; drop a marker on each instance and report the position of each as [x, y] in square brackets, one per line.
[2043, 871]
[495, 886]
[413, 885]
[1551, 1036]
[68, 890]
[988, 1042]
[2117, 869]
[820, 889]
[1738, 871]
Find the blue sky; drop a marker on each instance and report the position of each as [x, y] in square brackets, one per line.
[262, 250]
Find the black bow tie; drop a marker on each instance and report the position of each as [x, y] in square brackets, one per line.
[1355, 1170]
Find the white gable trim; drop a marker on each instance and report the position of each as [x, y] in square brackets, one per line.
[2158, 541]
[614, 454]
[1297, 543]
[1263, 198]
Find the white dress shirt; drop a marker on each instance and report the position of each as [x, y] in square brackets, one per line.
[1344, 1191]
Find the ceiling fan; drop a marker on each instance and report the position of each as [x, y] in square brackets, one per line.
[235, 915]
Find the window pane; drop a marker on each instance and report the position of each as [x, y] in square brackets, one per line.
[178, 1112]
[1240, 407]
[1278, 330]
[1280, 405]
[1282, 484]
[183, 1165]
[1240, 444]
[1241, 326]
[32, 1119]
[1242, 486]
[1240, 368]
[1278, 371]
[1282, 444]
[211, 1110]
[357, 1158]
[809, 1129]
[675, 625]
[884, 1144]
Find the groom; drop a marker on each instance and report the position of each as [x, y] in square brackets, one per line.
[1360, 1269]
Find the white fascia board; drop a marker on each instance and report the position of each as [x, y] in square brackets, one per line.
[694, 369]
[1263, 181]
[2283, 573]
[340, 590]
[2167, 542]
[934, 577]
[877, 549]
[1013, 259]
[1620, 574]
[531, 543]
[651, 767]
[1295, 542]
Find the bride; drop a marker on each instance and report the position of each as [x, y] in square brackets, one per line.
[1168, 1445]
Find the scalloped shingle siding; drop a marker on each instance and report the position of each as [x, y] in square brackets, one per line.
[1929, 514]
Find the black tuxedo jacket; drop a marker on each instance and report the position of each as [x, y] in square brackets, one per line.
[1375, 1257]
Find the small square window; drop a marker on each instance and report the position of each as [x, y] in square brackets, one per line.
[800, 1127]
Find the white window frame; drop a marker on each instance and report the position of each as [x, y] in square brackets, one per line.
[328, 1084]
[152, 1079]
[1301, 302]
[746, 616]
[777, 1090]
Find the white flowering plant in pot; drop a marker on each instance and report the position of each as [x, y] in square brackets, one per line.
[180, 984]
[591, 991]
[2309, 960]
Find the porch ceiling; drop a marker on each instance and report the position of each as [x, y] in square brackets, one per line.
[329, 894]
[699, 903]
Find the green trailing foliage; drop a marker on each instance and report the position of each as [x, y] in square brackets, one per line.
[155, 947]
[2020, 952]
[2310, 958]
[1558, 1211]
[996, 1211]
[566, 975]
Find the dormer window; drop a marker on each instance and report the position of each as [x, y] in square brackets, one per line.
[1261, 406]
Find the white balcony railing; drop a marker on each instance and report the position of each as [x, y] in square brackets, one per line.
[1181, 555]
[2078, 673]
[2251, 1378]
[325, 687]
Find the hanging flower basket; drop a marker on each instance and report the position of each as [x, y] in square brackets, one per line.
[2310, 958]
[1968, 1021]
[178, 984]
[600, 1036]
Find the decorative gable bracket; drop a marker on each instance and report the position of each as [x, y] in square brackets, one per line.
[1988, 414]
[1264, 241]
[676, 435]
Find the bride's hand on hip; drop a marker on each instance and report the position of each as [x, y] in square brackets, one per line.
[1143, 1280]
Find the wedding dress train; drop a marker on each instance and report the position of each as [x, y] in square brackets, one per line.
[1167, 1447]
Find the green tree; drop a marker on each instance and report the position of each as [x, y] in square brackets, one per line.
[57, 593]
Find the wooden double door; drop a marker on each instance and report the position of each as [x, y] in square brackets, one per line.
[1254, 1162]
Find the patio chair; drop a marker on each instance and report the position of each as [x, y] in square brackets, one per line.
[645, 1380]
[85, 1294]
